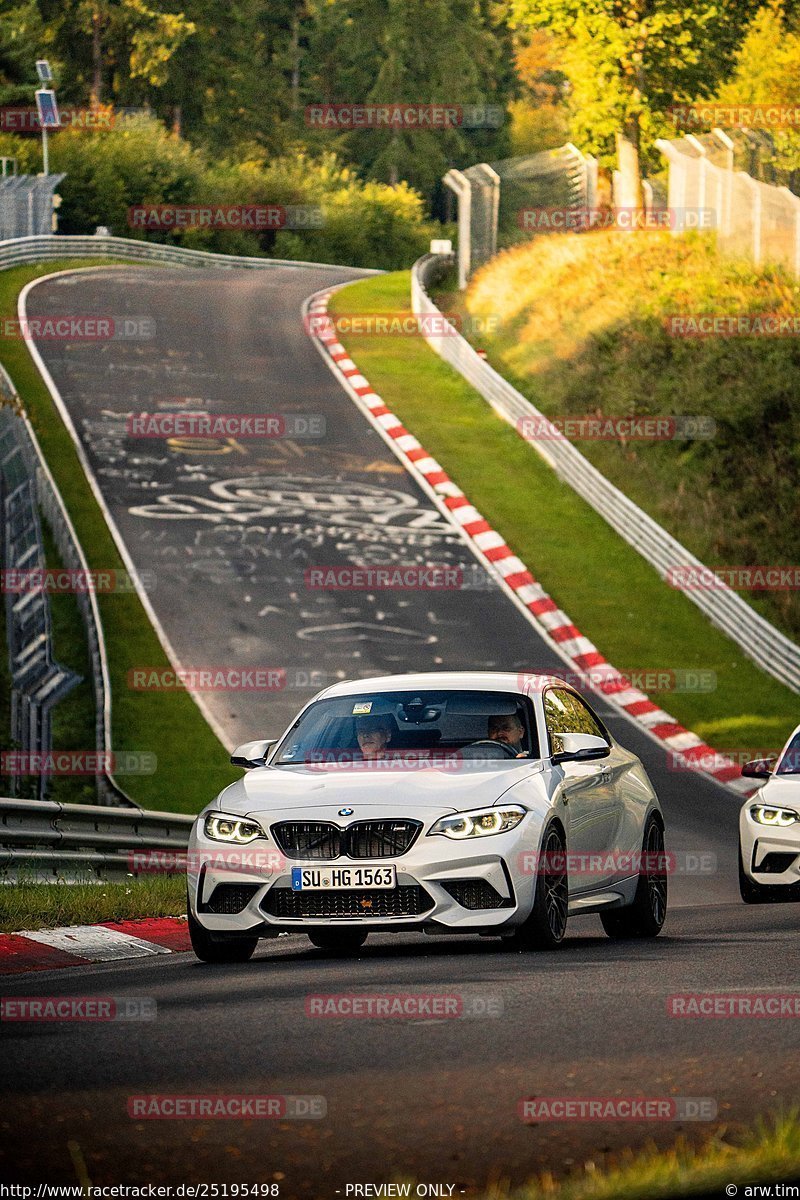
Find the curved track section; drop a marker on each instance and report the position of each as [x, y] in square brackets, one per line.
[230, 531]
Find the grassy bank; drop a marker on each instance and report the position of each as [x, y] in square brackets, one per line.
[167, 724]
[582, 329]
[51, 905]
[770, 1153]
[608, 590]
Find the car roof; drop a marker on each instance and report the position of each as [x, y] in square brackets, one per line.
[522, 682]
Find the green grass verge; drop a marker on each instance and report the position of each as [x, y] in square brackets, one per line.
[769, 1153]
[192, 764]
[607, 589]
[51, 905]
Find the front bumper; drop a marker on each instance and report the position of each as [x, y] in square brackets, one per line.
[770, 855]
[473, 871]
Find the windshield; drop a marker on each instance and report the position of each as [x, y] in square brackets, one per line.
[395, 725]
[790, 763]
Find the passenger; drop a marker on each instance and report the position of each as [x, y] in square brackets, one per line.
[373, 735]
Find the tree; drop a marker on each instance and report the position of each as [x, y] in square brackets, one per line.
[628, 61]
[438, 52]
[538, 114]
[105, 44]
[22, 40]
[767, 70]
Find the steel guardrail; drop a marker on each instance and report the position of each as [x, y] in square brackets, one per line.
[18, 251]
[754, 634]
[51, 503]
[41, 839]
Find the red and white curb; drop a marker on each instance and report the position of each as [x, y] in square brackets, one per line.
[79, 945]
[512, 574]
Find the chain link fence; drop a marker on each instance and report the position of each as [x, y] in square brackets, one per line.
[492, 199]
[26, 205]
[753, 219]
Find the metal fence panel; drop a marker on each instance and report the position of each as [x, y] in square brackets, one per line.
[754, 219]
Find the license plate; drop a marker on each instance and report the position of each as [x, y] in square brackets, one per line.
[320, 879]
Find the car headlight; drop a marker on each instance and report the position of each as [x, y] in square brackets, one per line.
[481, 823]
[223, 828]
[764, 814]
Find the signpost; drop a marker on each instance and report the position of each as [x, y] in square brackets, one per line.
[47, 108]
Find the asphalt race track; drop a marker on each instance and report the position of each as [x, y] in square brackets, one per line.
[228, 531]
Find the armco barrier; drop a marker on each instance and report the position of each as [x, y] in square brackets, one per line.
[52, 506]
[758, 639]
[38, 682]
[48, 246]
[43, 841]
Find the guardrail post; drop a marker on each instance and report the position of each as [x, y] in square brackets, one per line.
[727, 174]
[755, 189]
[794, 202]
[492, 181]
[458, 183]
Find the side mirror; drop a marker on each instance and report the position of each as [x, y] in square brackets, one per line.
[581, 747]
[252, 754]
[759, 768]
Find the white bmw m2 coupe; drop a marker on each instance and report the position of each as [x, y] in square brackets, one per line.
[491, 804]
[769, 829]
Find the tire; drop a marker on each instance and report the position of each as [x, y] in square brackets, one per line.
[339, 942]
[645, 917]
[546, 926]
[219, 947]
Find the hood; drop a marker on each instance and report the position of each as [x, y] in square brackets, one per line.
[401, 792]
[780, 790]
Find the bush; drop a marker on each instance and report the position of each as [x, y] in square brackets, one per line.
[138, 162]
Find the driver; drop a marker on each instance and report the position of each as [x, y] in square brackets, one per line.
[507, 729]
[373, 735]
